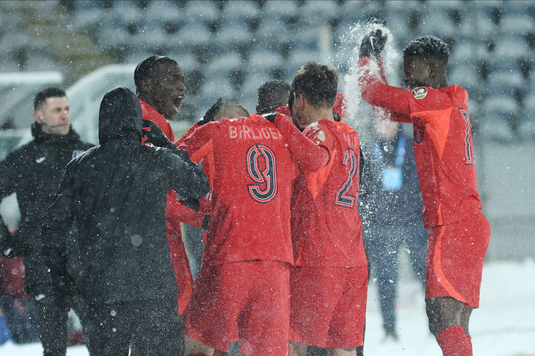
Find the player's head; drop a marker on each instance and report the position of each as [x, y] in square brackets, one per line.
[272, 95]
[314, 89]
[52, 111]
[425, 61]
[230, 110]
[160, 83]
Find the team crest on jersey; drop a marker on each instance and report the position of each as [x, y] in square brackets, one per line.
[76, 153]
[320, 135]
[419, 93]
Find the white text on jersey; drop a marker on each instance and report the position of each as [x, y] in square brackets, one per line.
[251, 133]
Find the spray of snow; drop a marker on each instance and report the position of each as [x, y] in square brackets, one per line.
[359, 113]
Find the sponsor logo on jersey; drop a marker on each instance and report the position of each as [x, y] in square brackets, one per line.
[320, 135]
[41, 159]
[419, 93]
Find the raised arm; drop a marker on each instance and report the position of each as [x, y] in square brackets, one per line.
[310, 156]
[377, 93]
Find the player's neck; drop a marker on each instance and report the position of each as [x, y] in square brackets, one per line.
[323, 114]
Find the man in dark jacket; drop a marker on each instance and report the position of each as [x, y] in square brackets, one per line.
[34, 171]
[116, 193]
[391, 213]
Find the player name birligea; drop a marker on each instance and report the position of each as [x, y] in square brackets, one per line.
[250, 133]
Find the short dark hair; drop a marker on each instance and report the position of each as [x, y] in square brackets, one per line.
[318, 83]
[46, 93]
[273, 94]
[146, 68]
[427, 47]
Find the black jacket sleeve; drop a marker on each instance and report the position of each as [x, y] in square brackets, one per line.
[58, 221]
[186, 178]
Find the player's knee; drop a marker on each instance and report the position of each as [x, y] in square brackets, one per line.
[443, 313]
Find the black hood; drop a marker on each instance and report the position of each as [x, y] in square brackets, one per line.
[120, 116]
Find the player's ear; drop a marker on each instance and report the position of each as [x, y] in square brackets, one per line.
[146, 86]
[38, 116]
[300, 100]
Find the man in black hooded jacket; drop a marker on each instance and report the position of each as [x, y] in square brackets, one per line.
[116, 195]
[34, 171]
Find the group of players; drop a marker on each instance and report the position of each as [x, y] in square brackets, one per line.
[284, 258]
[284, 265]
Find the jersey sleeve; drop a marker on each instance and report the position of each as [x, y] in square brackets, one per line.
[380, 94]
[198, 143]
[176, 213]
[310, 155]
[186, 134]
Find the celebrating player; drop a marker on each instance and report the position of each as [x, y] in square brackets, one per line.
[459, 232]
[242, 292]
[330, 278]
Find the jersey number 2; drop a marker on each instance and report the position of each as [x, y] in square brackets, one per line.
[262, 168]
[343, 196]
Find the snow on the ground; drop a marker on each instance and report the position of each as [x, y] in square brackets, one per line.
[504, 325]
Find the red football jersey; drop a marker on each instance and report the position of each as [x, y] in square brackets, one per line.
[443, 146]
[326, 227]
[251, 174]
[149, 113]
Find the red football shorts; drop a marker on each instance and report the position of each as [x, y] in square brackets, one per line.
[247, 302]
[455, 256]
[328, 306]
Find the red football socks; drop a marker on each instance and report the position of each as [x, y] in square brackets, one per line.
[454, 342]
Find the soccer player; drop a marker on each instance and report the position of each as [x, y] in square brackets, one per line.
[330, 278]
[160, 88]
[272, 95]
[242, 291]
[459, 232]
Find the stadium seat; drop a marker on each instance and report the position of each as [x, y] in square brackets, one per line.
[205, 11]
[231, 34]
[241, 11]
[223, 64]
[159, 11]
[283, 9]
[264, 60]
[319, 11]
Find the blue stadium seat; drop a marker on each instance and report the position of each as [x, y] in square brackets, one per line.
[194, 34]
[110, 37]
[233, 34]
[319, 12]
[283, 9]
[236, 11]
[202, 10]
[220, 66]
[264, 59]
[159, 11]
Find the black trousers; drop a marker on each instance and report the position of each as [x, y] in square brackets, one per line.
[153, 325]
[52, 323]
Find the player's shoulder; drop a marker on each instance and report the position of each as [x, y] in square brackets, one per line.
[458, 94]
[320, 132]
